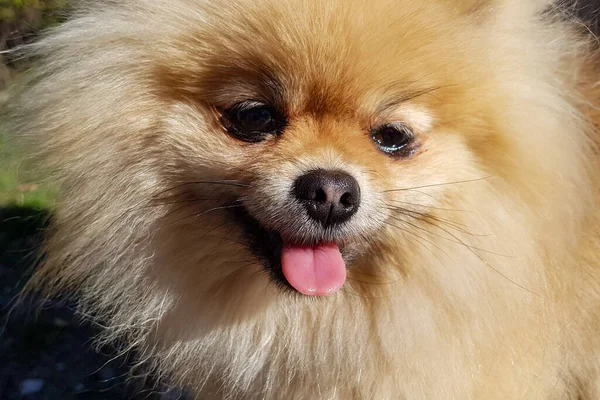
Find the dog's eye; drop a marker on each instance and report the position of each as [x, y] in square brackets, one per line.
[253, 122]
[393, 139]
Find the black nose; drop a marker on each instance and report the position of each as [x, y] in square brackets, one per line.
[330, 197]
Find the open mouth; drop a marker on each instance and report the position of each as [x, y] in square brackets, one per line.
[314, 270]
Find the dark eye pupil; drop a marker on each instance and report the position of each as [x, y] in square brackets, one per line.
[392, 139]
[257, 119]
[253, 122]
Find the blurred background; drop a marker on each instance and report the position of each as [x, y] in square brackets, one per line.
[45, 353]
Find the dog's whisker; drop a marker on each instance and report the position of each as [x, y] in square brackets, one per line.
[418, 215]
[374, 283]
[207, 233]
[229, 276]
[230, 183]
[429, 207]
[417, 236]
[462, 228]
[176, 210]
[487, 263]
[422, 193]
[347, 291]
[454, 239]
[188, 201]
[224, 182]
[438, 184]
[200, 214]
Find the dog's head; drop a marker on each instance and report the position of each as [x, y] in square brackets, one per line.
[315, 140]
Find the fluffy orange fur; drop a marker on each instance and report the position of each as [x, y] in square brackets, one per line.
[477, 270]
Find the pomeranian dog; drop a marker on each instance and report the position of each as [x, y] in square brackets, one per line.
[329, 199]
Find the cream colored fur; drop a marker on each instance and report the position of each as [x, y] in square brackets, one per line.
[483, 285]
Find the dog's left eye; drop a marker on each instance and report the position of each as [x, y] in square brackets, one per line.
[253, 122]
[393, 139]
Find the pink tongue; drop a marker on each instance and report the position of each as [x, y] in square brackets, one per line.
[314, 271]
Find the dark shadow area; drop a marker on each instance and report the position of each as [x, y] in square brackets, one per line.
[46, 353]
[587, 11]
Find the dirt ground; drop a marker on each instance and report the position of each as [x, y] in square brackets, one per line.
[48, 354]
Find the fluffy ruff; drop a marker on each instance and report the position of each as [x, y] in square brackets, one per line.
[473, 264]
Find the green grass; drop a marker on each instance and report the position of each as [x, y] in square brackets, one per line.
[25, 206]
[19, 187]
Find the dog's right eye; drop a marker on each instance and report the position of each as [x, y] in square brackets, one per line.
[253, 121]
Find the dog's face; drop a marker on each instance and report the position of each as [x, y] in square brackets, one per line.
[319, 136]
